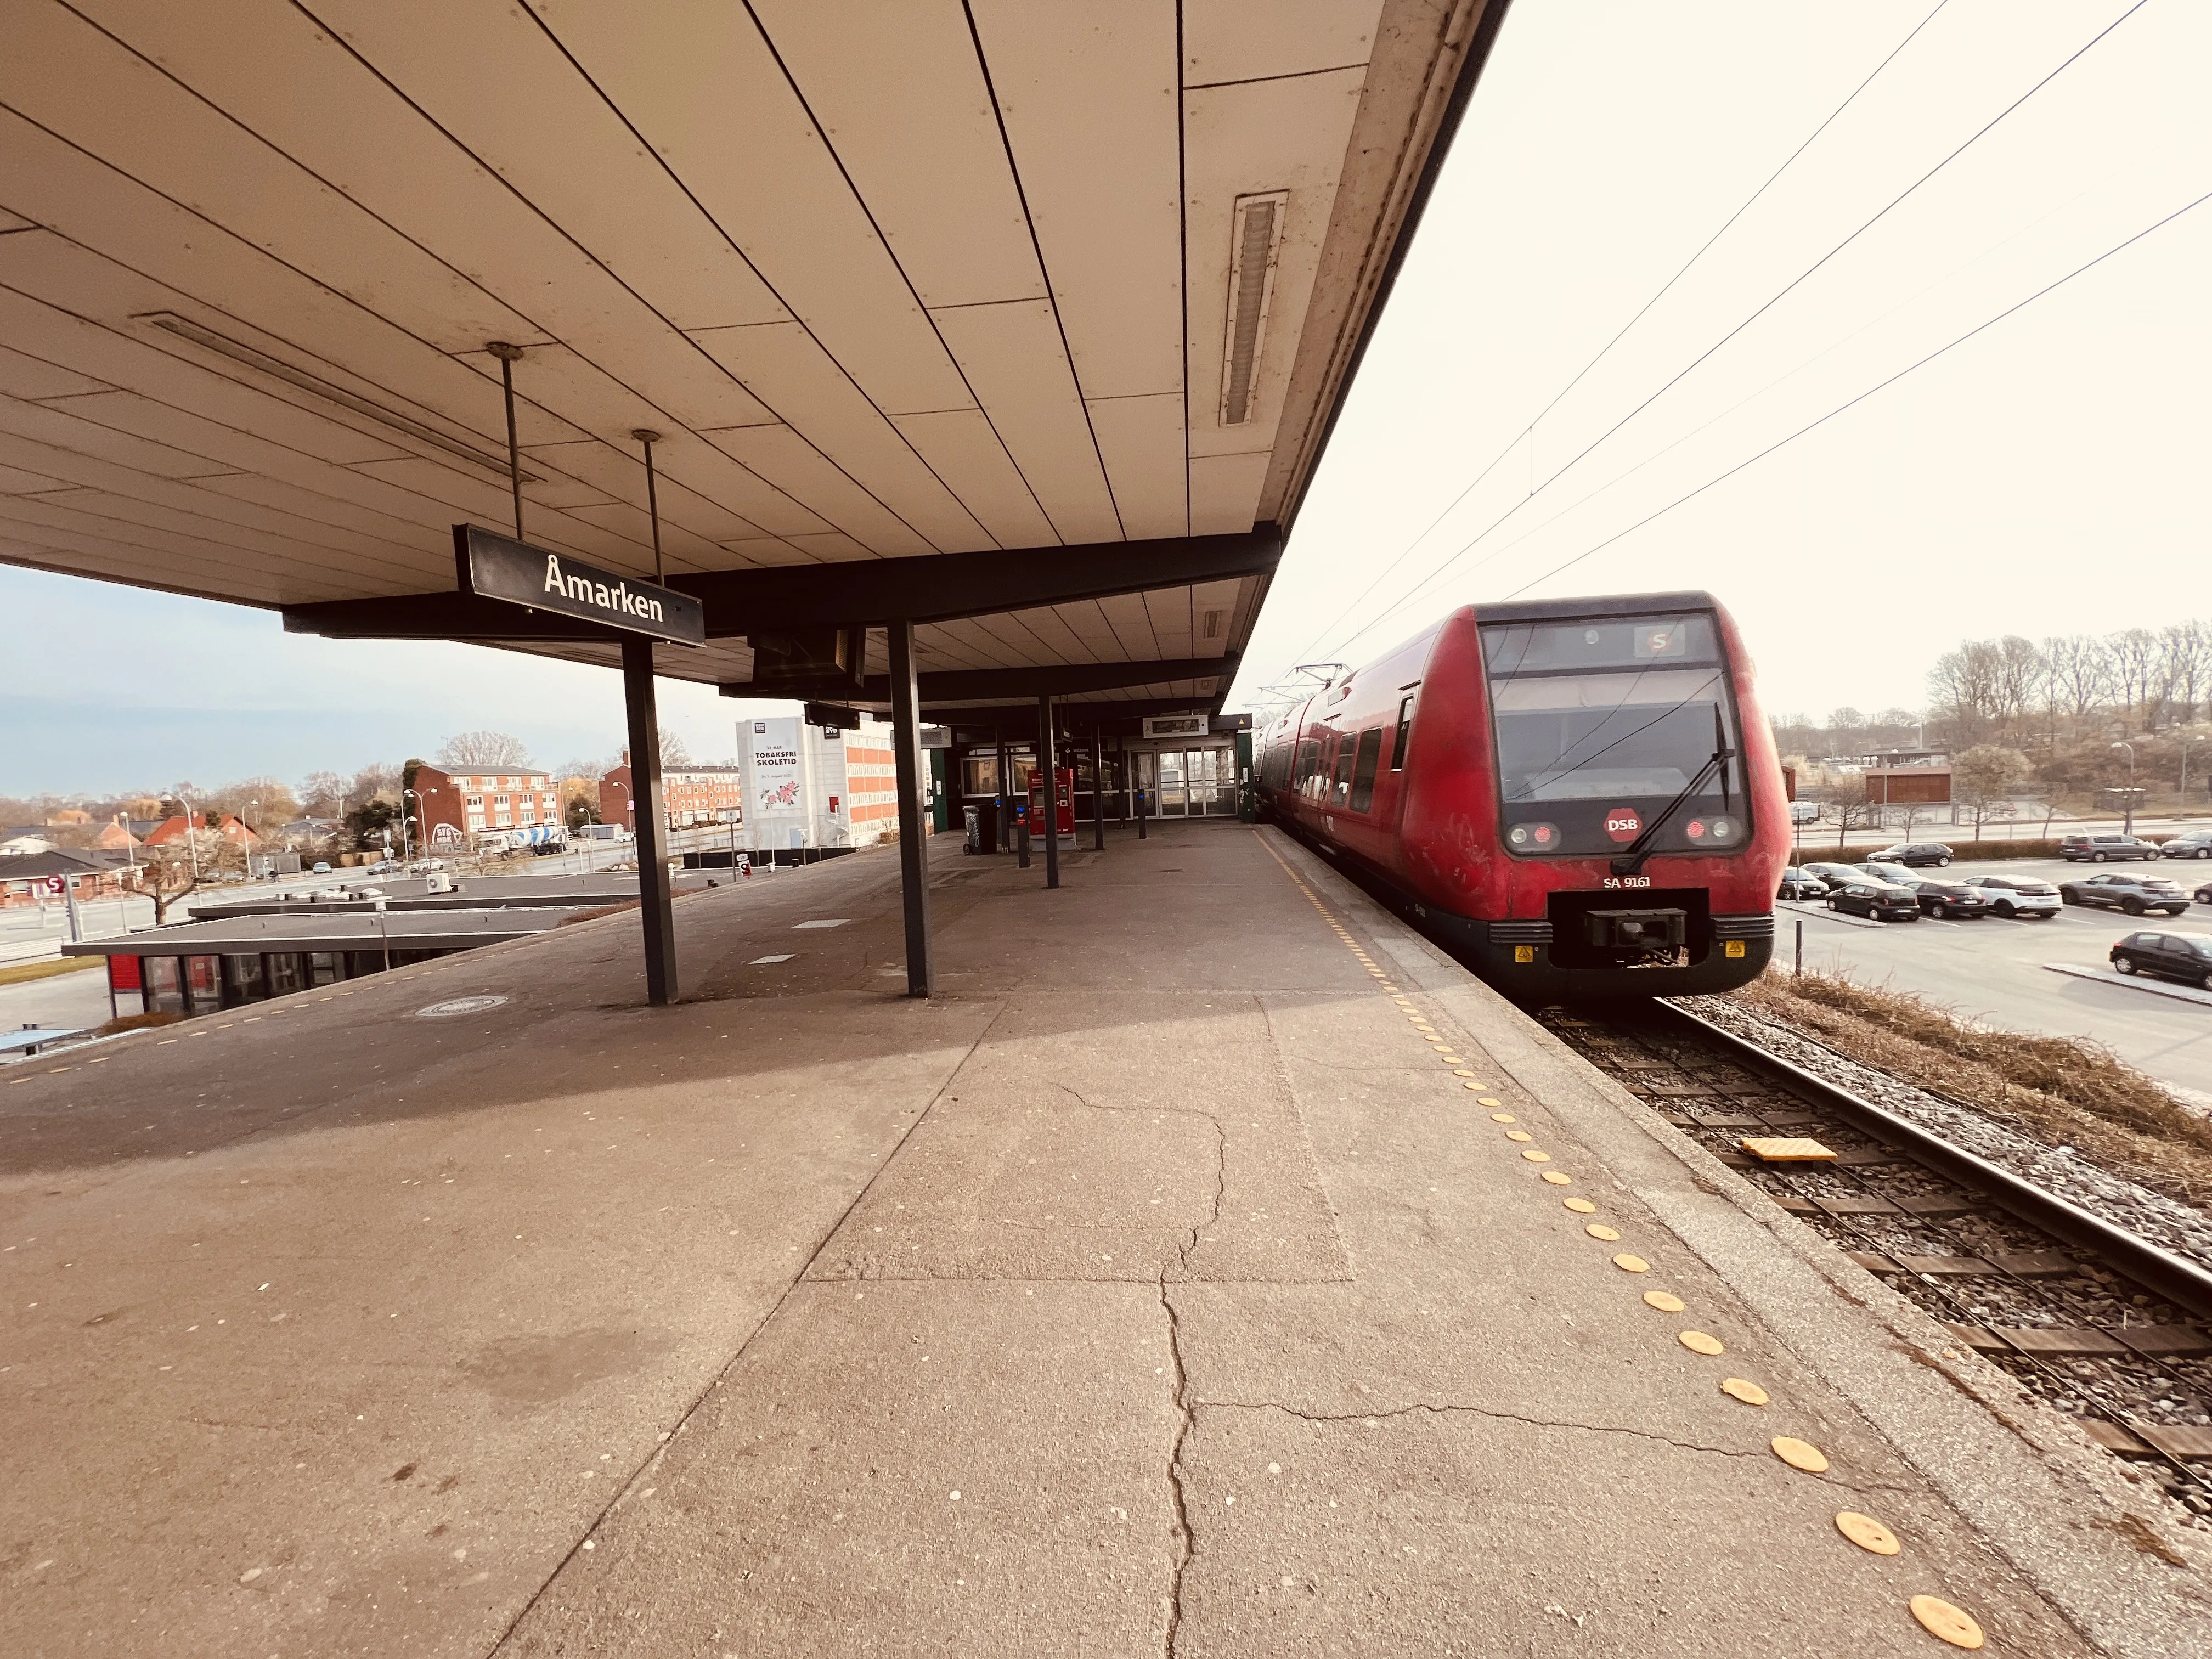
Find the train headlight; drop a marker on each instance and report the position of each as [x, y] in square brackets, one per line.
[1711, 830]
[1533, 837]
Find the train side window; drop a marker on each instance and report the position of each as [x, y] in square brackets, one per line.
[1363, 769]
[1405, 732]
[1309, 762]
[1341, 785]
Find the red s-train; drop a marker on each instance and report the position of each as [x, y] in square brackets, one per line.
[1580, 797]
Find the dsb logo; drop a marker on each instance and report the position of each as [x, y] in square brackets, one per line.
[1624, 824]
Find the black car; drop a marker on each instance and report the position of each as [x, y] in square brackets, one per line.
[2099, 849]
[1802, 884]
[1915, 853]
[1939, 895]
[2186, 957]
[2195, 844]
[2204, 895]
[1882, 900]
[2133, 894]
[1836, 875]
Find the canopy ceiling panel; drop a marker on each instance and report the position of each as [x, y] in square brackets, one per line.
[890, 279]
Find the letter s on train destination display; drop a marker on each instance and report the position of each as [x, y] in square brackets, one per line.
[496, 567]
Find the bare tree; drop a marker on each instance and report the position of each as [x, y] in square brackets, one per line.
[320, 794]
[1847, 797]
[2135, 660]
[176, 869]
[2184, 668]
[673, 751]
[378, 777]
[473, 752]
[1986, 776]
[1964, 685]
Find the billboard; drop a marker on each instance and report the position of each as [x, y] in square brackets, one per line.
[775, 805]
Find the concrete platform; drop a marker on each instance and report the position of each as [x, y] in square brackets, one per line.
[1162, 1287]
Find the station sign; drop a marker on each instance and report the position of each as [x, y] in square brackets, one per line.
[496, 567]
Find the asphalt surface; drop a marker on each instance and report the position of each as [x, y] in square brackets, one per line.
[1163, 1286]
[1993, 968]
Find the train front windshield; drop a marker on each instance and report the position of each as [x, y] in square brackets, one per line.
[1602, 726]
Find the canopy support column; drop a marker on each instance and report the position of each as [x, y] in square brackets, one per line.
[913, 822]
[647, 806]
[1048, 757]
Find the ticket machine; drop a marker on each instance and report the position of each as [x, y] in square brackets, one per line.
[1064, 817]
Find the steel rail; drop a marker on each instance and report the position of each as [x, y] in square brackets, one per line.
[2179, 1281]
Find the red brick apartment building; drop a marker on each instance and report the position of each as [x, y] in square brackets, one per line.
[453, 807]
[689, 795]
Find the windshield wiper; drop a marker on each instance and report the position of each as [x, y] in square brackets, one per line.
[1631, 862]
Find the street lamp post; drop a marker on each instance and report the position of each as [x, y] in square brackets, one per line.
[2129, 827]
[405, 857]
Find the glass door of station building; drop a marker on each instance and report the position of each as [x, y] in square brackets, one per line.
[1190, 783]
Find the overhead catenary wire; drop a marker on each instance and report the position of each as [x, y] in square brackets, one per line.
[1526, 432]
[1773, 300]
[1591, 495]
[1879, 385]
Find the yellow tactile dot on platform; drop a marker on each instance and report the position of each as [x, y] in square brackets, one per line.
[1598, 1229]
[1868, 1533]
[1463, 1073]
[1504, 1117]
[1665, 1301]
[1741, 1389]
[1580, 1206]
[1945, 1622]
[1482, 1100]
[1704, 1342]
[1632, 1264]
[1518, 1135]
[1800, 1454]
[1535, 1156]
[1558, 1179]
[1449, 1060]
[1487, 1101]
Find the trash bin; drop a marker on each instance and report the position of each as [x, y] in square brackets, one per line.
[973, 818]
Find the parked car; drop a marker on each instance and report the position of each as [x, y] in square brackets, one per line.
[1914, 853]
[1802, 884]
[1836, 875]
[2194, 844]
[2133, 894]
[2204, 895]
[1939, 895]
[2185, 956]
[2098, 849]
[1881, 899]
[1804, 811]
[2018, 895]
[321, 870]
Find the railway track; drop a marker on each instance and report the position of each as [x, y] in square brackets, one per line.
[2101, 1324]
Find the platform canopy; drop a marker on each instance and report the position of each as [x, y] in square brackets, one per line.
[1026, 321]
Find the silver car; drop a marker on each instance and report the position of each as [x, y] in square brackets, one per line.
[2017, 895]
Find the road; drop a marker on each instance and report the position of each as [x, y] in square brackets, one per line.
[1993, 969]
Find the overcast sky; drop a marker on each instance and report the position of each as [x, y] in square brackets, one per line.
[2045, 476]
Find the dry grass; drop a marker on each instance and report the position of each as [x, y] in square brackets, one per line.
[603, 910]
[22, 972]
[2059, 1090]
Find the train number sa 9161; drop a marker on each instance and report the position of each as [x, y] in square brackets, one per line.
[1626, 881]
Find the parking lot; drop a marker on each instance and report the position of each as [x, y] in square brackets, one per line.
[1995, 970]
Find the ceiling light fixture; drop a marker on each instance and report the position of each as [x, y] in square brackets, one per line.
[1255, 242]
[200, 335]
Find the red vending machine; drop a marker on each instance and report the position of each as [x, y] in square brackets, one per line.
[1064, 818]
